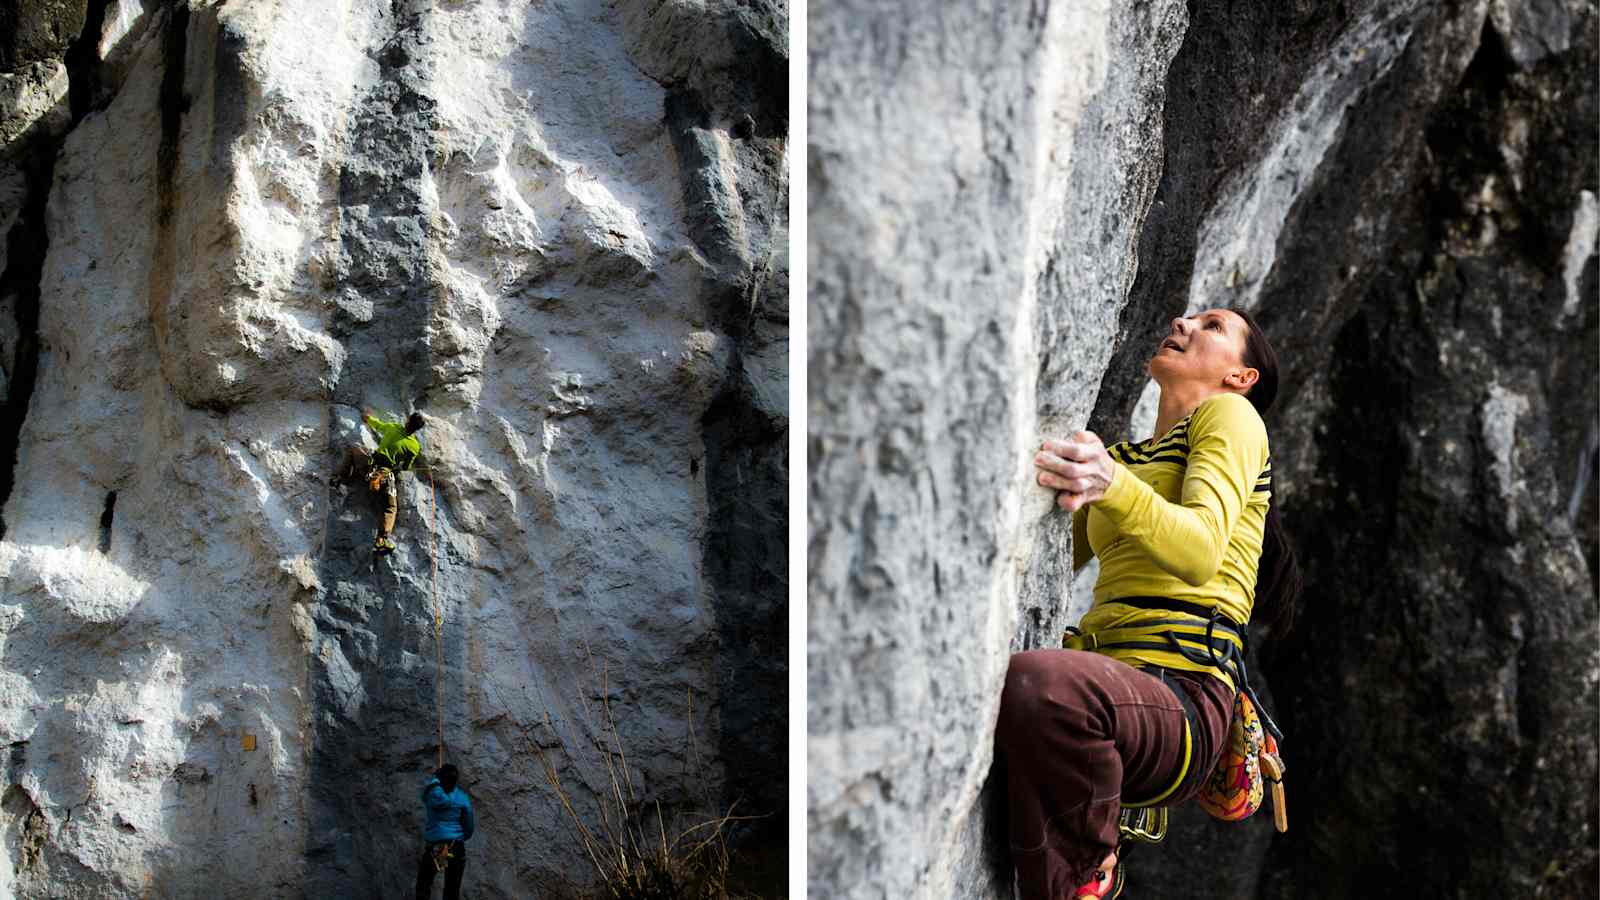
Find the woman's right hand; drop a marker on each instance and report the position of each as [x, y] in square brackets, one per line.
[1080, 469]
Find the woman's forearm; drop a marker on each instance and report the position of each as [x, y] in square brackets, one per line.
[1186, 542]
[1227, 451]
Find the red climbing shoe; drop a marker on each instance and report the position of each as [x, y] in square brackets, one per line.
[1106, 884]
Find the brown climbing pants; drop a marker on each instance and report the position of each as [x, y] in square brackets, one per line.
[1079, 731]
[357, 465]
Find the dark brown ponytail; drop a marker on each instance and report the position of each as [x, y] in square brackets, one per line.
[1278, 580]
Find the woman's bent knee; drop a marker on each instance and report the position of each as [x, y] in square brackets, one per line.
[1027, 689]
[1040, 682]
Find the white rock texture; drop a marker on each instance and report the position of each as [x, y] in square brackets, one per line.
[978, 177]
[558, 231]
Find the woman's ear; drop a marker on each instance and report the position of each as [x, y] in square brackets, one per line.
[1242, 379]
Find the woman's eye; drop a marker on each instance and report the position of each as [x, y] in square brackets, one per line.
[1213, 325]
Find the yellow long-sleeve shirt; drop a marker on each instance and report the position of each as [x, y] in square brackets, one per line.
[1183, 518]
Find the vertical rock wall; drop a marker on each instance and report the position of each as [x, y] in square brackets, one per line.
[268, 216]
[1411, 228]
[1404, 195]
[1470, 366]
[977, 180]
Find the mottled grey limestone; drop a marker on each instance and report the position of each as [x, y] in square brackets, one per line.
[1403, 193]
[978, 176]
[271, 215]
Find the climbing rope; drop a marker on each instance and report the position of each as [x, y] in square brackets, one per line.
[438, 617]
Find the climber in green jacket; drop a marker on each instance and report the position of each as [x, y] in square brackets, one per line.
[398, 451]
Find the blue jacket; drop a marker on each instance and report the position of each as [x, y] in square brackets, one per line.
[449, 815]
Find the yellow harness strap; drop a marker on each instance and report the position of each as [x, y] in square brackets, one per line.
[1151, 635]
[1187, 632]
[1183, 770]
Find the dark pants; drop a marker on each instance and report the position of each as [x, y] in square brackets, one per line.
[1079, 732]
[452, 872]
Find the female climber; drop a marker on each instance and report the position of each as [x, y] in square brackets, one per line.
[1180, 523]
[398, 451]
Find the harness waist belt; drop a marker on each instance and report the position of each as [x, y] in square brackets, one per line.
[1202, 635]
[1182, 606]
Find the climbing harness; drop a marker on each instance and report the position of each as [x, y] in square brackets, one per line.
[1203, 636]
[440, 853]
[1190, 719]
[378, 476]
[1145, 820]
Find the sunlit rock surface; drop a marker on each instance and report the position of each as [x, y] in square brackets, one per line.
[556, 230]
[977, 182]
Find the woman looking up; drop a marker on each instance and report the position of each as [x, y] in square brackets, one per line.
[1188, 541]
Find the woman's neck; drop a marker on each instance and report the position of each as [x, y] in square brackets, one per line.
[1178, 401]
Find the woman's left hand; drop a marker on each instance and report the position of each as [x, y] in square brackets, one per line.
[1079, 468]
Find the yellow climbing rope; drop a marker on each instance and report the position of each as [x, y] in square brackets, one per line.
[438, 617]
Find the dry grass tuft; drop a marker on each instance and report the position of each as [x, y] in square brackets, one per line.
[637, 851]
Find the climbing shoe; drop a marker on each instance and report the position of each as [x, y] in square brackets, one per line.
[383, 545]
[1104, 886]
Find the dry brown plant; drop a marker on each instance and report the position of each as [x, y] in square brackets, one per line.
[635, 849]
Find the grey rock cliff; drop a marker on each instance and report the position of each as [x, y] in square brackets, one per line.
[241, 224]
[977, 180]
[1405, 196]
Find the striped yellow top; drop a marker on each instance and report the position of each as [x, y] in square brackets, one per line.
[1183, 518]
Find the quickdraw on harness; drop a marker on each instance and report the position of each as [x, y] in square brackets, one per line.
[1203, 636]
[440, 854]
[378, 477]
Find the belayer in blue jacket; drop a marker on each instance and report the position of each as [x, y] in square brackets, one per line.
[449, 825]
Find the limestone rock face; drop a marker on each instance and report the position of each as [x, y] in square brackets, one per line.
[1404, 194]
[1415, 230]
[977, 181]
[561, 244]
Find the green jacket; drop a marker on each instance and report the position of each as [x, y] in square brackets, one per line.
[396, 449]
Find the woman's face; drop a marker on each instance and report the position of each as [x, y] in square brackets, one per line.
[1206, 348]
